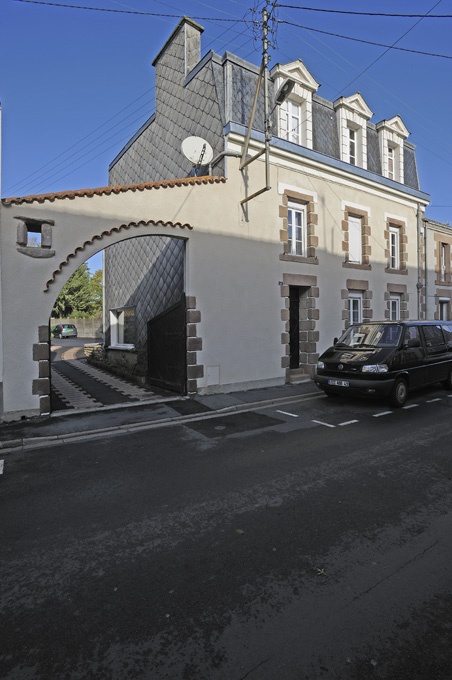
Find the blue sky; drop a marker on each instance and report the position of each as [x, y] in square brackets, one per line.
[76, 84]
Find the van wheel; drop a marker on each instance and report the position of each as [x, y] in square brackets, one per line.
[448, 382]
[399, 393]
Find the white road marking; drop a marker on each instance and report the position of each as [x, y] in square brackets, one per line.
[285, 413]
[2, 463]
[383, 413]
[319, 422]
[430, 401]
[348, 422]
[410, 406]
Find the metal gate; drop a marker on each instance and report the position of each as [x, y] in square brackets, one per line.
[167, 353]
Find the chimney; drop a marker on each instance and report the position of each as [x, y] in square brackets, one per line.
[191, 40]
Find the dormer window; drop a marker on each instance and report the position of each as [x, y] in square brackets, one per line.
[352, 116]
[295, 113]
[392, 133]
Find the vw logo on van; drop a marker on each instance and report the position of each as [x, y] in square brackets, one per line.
[340, 366]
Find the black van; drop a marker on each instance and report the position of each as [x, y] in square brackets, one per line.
[387, 359]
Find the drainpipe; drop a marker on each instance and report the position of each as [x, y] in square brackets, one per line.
[426, 269]
[419, 262]
[217, 159]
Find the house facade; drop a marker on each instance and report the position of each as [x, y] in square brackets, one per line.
[437, 274]
[208, 292]
[343, 212]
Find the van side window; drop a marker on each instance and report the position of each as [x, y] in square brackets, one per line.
[447, 330]
[433, 336]
[412, 333]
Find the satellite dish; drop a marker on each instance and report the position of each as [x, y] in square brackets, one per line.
[197, 150]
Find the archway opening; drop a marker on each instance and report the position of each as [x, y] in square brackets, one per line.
[129, 343]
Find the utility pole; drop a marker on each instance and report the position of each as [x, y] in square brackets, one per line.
[263, 74]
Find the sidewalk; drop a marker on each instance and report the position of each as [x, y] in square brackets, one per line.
[104, 421]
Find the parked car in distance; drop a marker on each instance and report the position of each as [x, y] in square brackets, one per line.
[65, 330]
[387, 359]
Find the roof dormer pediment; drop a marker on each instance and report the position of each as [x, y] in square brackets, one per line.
[395, 125]
[297, 72]
[354, 103]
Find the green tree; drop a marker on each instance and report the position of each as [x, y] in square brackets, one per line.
[75, 298]
[97, 293]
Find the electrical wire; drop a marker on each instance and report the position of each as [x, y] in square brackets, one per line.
[124, 11]
[391, 47]
[366, 14]
[347, 37]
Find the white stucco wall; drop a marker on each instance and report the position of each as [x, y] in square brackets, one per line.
[233, 264]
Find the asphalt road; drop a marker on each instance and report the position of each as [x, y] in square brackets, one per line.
[306, 542]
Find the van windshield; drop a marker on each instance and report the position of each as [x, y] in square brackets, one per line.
[371, 335]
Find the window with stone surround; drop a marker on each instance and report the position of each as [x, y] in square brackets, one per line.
[396, 298]
[356, 243]
[296, 228]
[298, 234]
[396, 246]
[394, 307]
[443, 309]
[444, 267]
[357, 298]
[355, 307]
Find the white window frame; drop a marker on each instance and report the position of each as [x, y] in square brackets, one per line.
[292, 120]
[355, 239]
[355, 307]
[352, 146]
[443, 262]
[443, 309]
[394, 307]
[394, 247]
[296, 227]
[117, 329]
[391, 162]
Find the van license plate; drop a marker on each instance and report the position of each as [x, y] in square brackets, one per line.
[339, 383]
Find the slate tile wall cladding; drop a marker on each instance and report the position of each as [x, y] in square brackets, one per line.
[147, 273]
[220, 90]
[410, 169]
[181, 111]
[324, 128]
[373, 150]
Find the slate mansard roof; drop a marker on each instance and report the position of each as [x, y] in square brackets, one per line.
[202, 97]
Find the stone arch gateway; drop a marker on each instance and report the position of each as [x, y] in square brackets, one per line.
[73, 226]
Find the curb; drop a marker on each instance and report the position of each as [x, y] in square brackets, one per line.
[29, 443]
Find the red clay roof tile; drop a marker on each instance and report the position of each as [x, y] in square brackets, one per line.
[121, 188]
